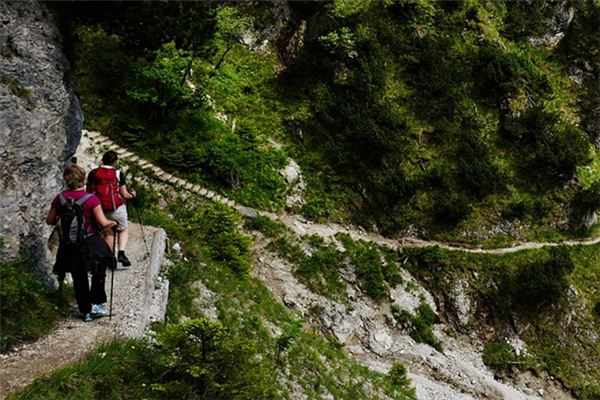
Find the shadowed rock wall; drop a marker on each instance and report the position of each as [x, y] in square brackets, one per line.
[40, 125]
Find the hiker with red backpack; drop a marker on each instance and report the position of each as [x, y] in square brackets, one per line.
[78, 217]
[108, 183]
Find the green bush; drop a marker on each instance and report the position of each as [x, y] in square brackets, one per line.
[538, 283]
[528, 206]
[321, 271]
[200, 359]
[398, 375]
[28, 308]
[585, 201]
[369, 266]
[219, 230]
[501, 356]
[266, 225]
[478, 173]
[195, 360]
[450, 209]
[420, 324]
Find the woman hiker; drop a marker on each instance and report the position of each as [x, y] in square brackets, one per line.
[85, 251]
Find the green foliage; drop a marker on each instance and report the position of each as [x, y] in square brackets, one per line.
[500, 356]
[554, 147]
[479, 174]
[527, 206]
[420, 324]
[528, 19]
[265, 225]
[202, 359]
[450, 209]
[28, 308]
[538, 283]
[502, 74]
[195, 360]
[321, 271]
[219, 230]
[369, 267]
[160, 84]
[398, 375]
[585, 201]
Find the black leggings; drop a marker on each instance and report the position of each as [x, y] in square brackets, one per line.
[86, 297]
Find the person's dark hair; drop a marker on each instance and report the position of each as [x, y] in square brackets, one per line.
[109, 158]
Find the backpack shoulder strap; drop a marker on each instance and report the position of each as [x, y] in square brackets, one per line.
[62, 199]
[84, 199]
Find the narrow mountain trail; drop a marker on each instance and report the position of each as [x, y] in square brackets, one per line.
[133, 294]
[301, 226]
[139, 298]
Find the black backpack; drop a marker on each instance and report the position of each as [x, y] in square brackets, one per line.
[71, 221]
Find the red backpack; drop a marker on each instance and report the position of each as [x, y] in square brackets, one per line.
[105, 185]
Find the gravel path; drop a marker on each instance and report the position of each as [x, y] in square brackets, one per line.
[73, 338]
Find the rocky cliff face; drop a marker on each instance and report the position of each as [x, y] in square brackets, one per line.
[40, 125]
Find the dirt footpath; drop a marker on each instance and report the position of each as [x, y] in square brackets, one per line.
[73, 338]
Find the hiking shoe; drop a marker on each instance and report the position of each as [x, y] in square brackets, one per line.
[88, 317]
[123, 259]
[98, 310]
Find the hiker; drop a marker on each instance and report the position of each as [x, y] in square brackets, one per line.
[108, 183]
[77, 216]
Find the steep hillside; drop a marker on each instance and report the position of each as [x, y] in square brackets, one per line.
[366, 200]
[469, 121]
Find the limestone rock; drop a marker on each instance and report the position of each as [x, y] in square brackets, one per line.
[40, 126]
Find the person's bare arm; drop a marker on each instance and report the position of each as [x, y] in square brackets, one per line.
[126, 193]
[101, 218]
[52, 216]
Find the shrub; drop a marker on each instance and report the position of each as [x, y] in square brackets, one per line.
[479, 174]
[537, 284]
[500, 356]
[195, 360]
[220, 233]
[398, 375]
[202, 359]
[266, 225]
[420, 324]
[321, 271]
[369, 267]
[585, 201]
[28, 308]
[450, 209]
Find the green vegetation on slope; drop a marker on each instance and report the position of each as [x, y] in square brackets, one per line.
[28, 308]
[545, 296]
[440, 115]
[258, 349]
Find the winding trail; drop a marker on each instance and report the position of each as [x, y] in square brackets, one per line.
[302, 227]
[140, 297]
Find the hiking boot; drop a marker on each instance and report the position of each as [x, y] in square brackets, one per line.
[123, 259]
[88, 317]
[98, 310]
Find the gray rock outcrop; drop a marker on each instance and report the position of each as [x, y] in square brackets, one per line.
[40, 125]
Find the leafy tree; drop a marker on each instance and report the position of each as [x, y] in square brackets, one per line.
[200, 359]
[159, 83]
[230, 27]
[537, 284]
